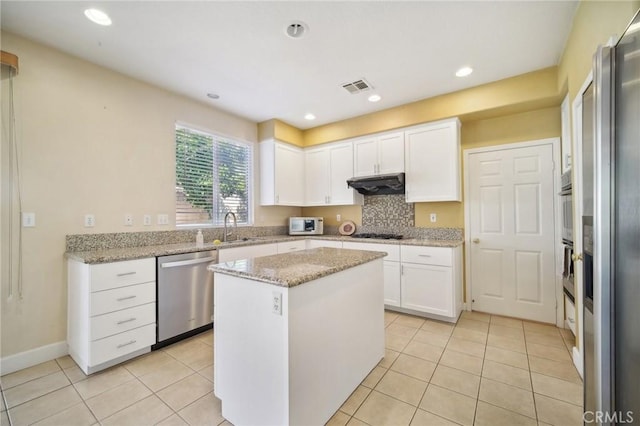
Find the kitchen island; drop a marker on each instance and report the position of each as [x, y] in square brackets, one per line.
[296, 333]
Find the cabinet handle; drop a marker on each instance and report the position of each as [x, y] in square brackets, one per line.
[476, 240]
[126, 321]
[277, 198]
[424, 255]
[292, 248]
[401, 269]
[124, 274]
[126, 344]
[120, 299]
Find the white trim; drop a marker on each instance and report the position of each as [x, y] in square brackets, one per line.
[576, 149]
[555, 143]
[577, 361]
[33, 357]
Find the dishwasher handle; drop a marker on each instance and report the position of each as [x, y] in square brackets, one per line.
[188, 262]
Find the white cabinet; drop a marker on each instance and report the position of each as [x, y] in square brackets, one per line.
[391, 268]
[432, 162]
[431, 280]
[570, 314]
[379, 154]
[289, 246]
[111, 312]
[246, 252]
[281, 174]
[323, 243]
[327, 169]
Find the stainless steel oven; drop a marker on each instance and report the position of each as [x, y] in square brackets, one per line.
[566, 201]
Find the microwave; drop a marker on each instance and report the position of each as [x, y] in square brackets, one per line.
[306, 226]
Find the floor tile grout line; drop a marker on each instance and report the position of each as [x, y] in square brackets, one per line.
[5, 389]
[39, 396]
[533, 395]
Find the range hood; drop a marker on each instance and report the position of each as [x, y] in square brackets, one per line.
[378, 184]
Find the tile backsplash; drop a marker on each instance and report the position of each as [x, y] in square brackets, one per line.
[387, 211]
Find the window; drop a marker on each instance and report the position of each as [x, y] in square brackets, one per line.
[213, 177]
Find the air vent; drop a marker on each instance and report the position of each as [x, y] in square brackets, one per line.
[357, 86]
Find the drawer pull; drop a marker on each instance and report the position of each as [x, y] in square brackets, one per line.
[424, 255]
[124, 274]
[126, 344]
[126, 321]
[120, 299]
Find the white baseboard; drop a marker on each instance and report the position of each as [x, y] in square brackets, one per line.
[32, 357]
[577, 361]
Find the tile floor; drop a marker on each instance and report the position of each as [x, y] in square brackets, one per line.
[485, 370]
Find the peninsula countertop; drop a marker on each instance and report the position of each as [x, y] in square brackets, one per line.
[295, 268]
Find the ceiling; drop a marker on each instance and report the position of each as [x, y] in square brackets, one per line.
[239, 50]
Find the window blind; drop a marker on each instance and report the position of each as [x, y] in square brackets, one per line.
[213, 176]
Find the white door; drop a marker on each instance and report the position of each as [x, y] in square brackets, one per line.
[511, 231]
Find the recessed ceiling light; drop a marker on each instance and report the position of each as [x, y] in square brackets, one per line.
[464, 71]
[97, 16]
[296, 29]
[310, 116]
[213, 96]
[374, 98]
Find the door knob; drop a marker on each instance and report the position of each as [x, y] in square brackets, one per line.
[476, 240]
[576, 257]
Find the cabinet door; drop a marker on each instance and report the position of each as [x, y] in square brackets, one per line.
[289, 175]
[317, 176]
[323, 243]
[247, 252]
[365, 157]
[341, 166]
[391, 153]
[432, 162]
[289, 246]
[392, 283]
[427, 288]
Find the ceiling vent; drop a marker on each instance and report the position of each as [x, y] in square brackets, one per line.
[357, 86]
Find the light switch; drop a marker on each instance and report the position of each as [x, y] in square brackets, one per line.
[89, 221]
[28, 220]
[128, 219]
[146, 220]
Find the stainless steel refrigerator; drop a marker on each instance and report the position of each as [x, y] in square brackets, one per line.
[611, 232]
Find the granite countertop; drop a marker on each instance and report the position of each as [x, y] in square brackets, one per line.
[292, 269]
[131, 253]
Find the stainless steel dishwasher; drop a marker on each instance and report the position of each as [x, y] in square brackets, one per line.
[185, 295]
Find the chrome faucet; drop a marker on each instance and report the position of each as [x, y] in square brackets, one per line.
[228, 232]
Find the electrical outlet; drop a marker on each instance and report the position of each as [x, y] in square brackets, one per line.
[339, 217]
[163, 219]
[276, 304]
[433, 217]
[128, 219]
[89, 221]
[28, 220]
[146, 220]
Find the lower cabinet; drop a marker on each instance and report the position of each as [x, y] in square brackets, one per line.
[323, 243]
[431, 281]
[247, 252]
[391, 268]
[111, 312]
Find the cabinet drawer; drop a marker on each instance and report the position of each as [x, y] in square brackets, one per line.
[570, 314]
[127, 319]
[393, 250]
[290, 246]
[323, 243]
[121, 344]
[120, 274]
[106, 301]
[427, 255]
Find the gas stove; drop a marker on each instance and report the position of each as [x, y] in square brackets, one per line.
[379, 236]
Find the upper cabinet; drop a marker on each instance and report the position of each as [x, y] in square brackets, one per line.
[281, 174]
[327, 169]
[432, 162]
[379, 154]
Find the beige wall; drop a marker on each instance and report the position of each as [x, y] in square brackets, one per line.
[92, 141]
[593, 24]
